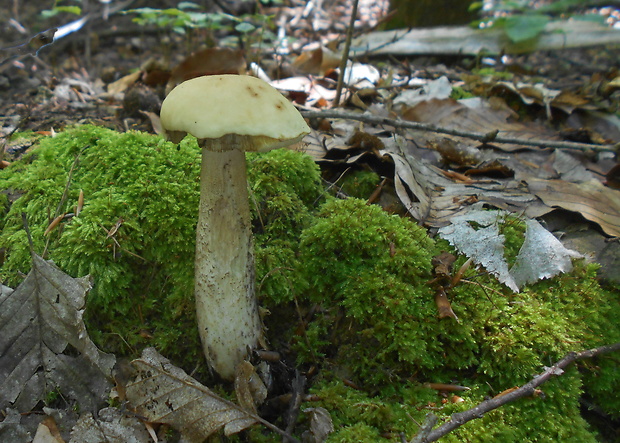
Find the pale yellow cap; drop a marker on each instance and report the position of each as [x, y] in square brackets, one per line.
[213, 106]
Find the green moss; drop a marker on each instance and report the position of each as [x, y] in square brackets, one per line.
[360, 184]
[377, 323]
[358, 277]
[368, 271]
[143, 274]
[458, 93]
[285, 185]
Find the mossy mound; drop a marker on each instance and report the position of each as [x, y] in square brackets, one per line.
[346, 286]
[149, 190]
[376, 324]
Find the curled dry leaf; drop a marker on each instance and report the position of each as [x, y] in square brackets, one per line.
[80, 203]
[443, 305]
[321, 425]
[164, 393]
[442, 265]
[591, 199]
[446, 387]
[53, 224]
[249, 388]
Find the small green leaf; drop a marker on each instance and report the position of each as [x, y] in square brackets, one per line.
[525, 27]
[245, 27]
[188, 5]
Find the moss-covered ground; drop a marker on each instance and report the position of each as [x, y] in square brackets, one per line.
[344, 288]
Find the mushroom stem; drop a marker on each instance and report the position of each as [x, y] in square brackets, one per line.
[226, 307]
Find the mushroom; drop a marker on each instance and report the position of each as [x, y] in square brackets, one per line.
[229, 115]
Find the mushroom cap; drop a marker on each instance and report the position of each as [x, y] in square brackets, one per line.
[214, 106]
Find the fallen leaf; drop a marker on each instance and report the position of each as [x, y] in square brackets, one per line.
[111, 425]
[164, 393]
[321, 425]
[210, 61]
[591, 199]
[450, 114]
[38, 323]
[443, 305]
[541, 256]
[477, 235]
[47, 432]
[249, 388]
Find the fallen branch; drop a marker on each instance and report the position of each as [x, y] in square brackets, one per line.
[489, 137]
[526, 390]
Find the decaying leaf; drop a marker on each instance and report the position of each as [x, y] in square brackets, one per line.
[249, 388]
[442, 266]
[448, 113]
[39, 321]
[321, 425]
[443, 305]
[47, 432]
[446, 387]
[477, 235]
[591, 199]
[111, 425]
[164, 393]
[435, 200]
[541, 256]
[12, 428]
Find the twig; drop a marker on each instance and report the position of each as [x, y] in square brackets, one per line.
[526, 390]
[426, 428]
[376, 120]
[65, 193]
[345, 54]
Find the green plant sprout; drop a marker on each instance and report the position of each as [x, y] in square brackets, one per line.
[255, 30]
[60, 8]
[522, 23]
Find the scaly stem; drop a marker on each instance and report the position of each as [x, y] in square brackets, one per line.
[226, 308]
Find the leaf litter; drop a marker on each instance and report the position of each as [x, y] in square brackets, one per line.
[477, 235]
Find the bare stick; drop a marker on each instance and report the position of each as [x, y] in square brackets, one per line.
[526, 390]
[426, 428]
[345, 53]
[376, 120]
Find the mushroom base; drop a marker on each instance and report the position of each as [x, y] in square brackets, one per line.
[226, 308]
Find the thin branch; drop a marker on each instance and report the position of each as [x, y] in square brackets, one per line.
[488, 137]
[526, 390]
[345, 53]
[425, 429]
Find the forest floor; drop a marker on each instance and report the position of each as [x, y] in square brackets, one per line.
[114, 73]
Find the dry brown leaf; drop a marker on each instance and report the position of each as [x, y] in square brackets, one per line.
[38, 322]
[122, 84]
[432, 198]
[210, 61]
[321, 425]
[317, 61]
[443, 305]
[591, 199]
[450, 114]
[47, 432]
[111, 425]
[442, 265]
[446, 387]
[164, 393]
[249, 388]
